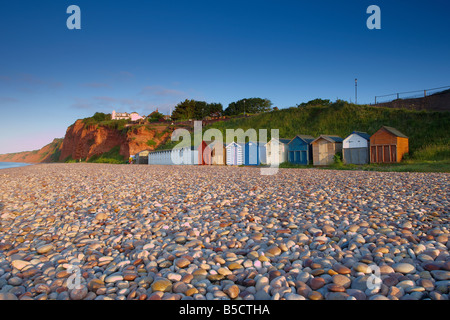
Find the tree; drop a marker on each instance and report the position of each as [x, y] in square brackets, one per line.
[192, 109]
[184, 110]
[100, 116]
[315, 102]
[155, 116]
[215, 109]
[251, 105]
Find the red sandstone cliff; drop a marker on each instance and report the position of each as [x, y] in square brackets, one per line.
[83, 142]
[49, 153]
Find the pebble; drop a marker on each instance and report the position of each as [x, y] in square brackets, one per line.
[163, 285]
[114, 278]
[440, 275]
[45, 249]
[95, 284]
[317, 283]
[15, 281]
[7, 296]
[404, 268]
[78, 293]
[20, 264]
[167, 233]
[182, 262]
[315, 295]
[341, 269]
[341, 280]
[232, 291]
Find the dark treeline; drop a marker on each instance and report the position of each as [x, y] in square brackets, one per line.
[193, 109]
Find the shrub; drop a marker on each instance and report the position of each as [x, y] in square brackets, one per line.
[338, 158]
[112, 156]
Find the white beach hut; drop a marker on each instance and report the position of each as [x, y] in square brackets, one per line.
[235, 154]
[283, 150]
[356, 148]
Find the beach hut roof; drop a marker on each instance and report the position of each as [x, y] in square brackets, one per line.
[395, 132]
[255, 142]
[330, 138]
[211, 143]
[285, 141]
[362, 134]
[235, 143]
[304, 137]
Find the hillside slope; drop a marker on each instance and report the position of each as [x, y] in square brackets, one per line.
[87, 141]
[49, 153]
[439, 101]
[429, 131]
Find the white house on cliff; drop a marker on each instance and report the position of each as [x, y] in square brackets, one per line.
[134, 116]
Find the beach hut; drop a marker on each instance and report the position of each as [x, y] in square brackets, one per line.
[235, 154]
[204, 153]
[152, 157]
[194, 155]
[218, 153]
[388, 145]
[186, 156]
[356, 148]
[212, 153]
[176, 156]
[324, 149]
[254, 153]
[283, 148]
[159, 157]
[142, 157]
[300, 149]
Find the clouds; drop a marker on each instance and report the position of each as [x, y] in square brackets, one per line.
[96, 85]
[30, 83]
[165, 98]
[108, 104]
[144, 101]
[161, 92]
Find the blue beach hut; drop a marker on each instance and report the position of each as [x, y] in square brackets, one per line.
[255, 153]
[300, 150]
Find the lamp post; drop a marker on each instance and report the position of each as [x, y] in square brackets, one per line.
[356, 91]
[244, 108]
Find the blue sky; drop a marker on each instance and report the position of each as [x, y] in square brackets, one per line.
[142, 55]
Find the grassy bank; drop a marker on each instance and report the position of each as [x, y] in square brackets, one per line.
[428, 131]
[405, 166]
[112, 156]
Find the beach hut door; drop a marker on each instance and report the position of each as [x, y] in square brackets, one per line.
[323, 152]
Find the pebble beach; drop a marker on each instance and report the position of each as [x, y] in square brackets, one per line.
[137, 232]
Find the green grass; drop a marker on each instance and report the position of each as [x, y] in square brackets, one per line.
[112, 156]
[119, 125]
[291, 165]
[433, 152]
[428, 131]
[69, 159]
[405, 166]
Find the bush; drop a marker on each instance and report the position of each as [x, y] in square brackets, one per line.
[112, 156]
[338, 158]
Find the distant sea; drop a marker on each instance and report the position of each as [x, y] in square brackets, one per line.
[5, 165]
